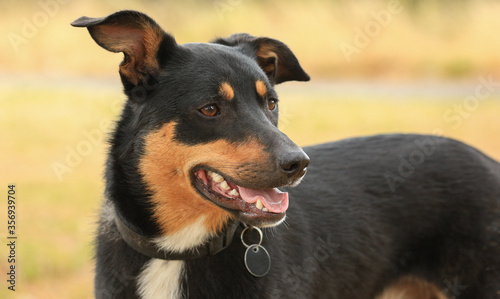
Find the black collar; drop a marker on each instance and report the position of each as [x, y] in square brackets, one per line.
[146, 246]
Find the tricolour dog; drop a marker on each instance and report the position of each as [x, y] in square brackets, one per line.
[197, 169]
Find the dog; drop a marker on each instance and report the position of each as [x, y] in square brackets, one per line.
[197, 170]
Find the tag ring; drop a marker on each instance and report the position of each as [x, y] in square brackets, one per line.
[243, 233]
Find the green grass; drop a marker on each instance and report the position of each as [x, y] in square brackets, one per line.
[56, 217]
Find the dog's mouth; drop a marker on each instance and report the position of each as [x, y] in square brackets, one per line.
[253, 206]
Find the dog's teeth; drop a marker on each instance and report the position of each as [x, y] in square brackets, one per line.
[224, 185]
[234, 193]
[215, 176]
[259, 204]
[264, 209]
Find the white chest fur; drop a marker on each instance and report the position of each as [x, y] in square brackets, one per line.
[162, 278]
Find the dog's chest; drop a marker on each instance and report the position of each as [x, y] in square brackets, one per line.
[161, 279]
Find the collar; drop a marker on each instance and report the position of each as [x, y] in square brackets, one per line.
[146, 245]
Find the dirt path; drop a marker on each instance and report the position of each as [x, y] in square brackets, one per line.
[363, 89]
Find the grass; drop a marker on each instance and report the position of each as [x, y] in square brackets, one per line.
[56, 217]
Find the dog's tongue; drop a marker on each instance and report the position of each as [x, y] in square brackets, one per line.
[273, 199]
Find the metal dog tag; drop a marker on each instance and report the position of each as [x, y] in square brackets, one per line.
[257, 260]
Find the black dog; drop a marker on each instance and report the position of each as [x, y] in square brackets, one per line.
[193, 171]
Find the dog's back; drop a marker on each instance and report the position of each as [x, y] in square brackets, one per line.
[404, 205]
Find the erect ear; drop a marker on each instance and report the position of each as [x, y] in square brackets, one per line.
[137, 36]
[274, 57]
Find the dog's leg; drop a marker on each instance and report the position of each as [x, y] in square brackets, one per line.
[410, 287]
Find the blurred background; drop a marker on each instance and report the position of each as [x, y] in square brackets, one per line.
[378, 66]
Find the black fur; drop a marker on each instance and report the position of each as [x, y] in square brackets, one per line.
[370, 209]
[348, 234]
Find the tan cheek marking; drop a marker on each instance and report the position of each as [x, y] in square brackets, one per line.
[226, 91]
[261, 88]
[166, 166]
[412, 288]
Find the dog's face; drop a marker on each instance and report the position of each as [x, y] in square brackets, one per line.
[200, 125]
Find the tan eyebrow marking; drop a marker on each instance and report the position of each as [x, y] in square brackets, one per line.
[226, 91]
[261, 88]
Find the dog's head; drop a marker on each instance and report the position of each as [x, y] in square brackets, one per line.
[198, 136]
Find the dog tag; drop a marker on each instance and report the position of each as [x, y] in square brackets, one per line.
[257, 260]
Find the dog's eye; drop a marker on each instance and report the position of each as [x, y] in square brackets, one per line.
[210, 110]
[271, 103]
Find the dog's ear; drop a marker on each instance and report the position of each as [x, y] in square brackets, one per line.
[274, 57]
[137, 36]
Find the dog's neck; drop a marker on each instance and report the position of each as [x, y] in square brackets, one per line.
[200, 245]
[124, 187]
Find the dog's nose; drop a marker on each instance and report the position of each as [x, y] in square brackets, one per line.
[294, 164]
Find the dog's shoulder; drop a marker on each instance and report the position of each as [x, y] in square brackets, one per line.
[114, 279]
